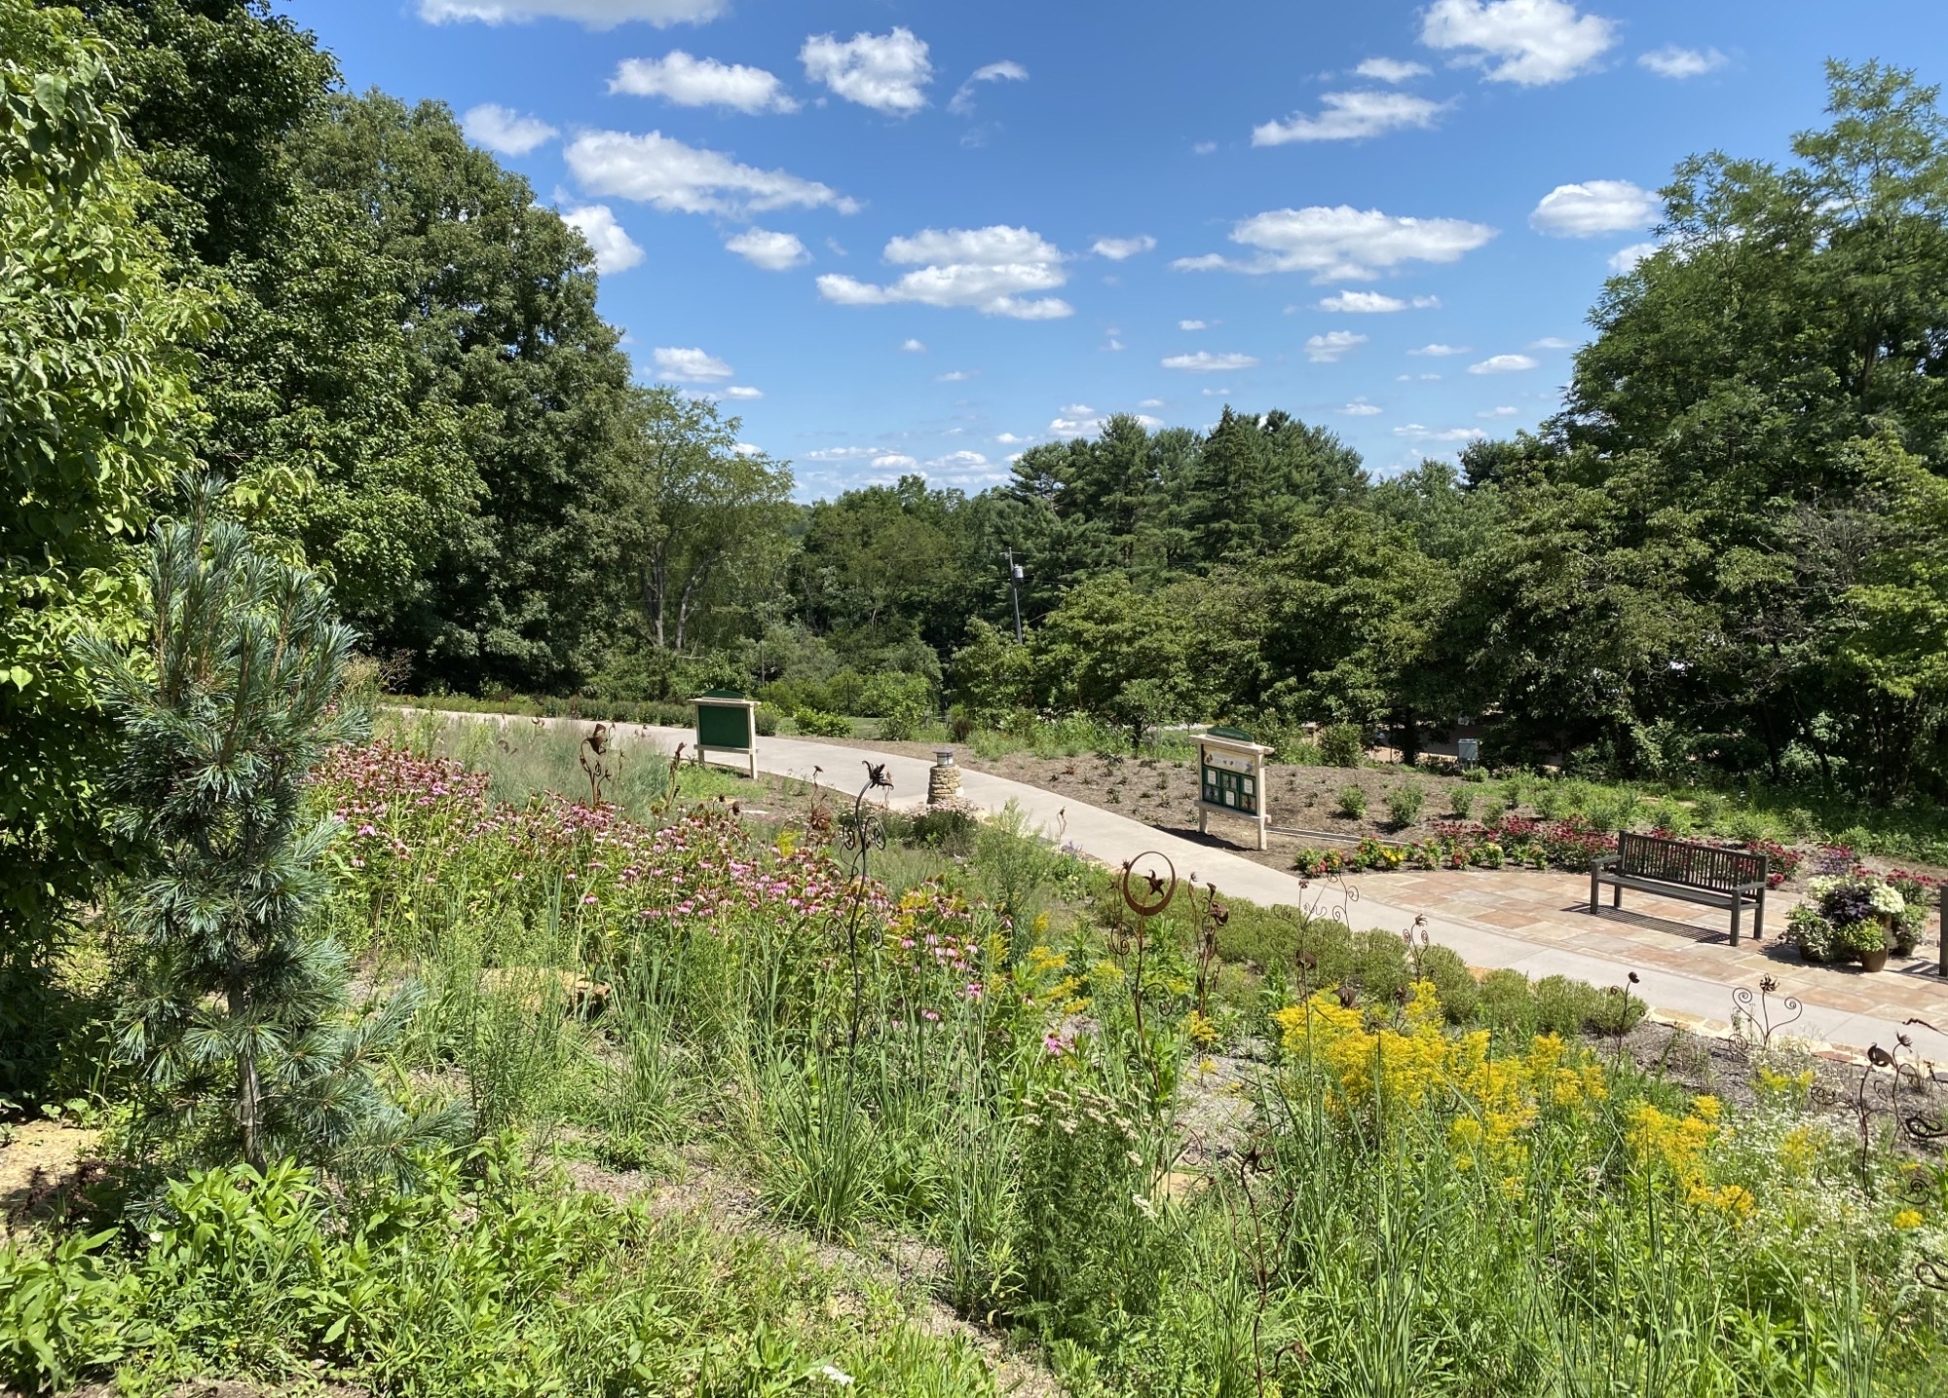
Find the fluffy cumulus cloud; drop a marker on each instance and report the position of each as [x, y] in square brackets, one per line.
[747, 449]
[1415, 432]
[1671, 61]
[775, 252]
[1120, 249]
[1192, 325]
[1081, 420]
[702, 82]
[677, 178]
[1341, 243]
[1364, 303]
[1015, 439]
[912, 347]
[893, 461]
[595, 14]
[504, 130]
[1350, 116]
[997, 270]
[743, 392]
[1332, 346]
[1204, 362]
[954, 376]
[887, 72]
[1551, 342]
[688, 365]
[1498, 412]
[1007, 70]
[1593, 207]
[958, 463]
[1530, 42]
[615, 250]
[1391, 70]
[1439, 351]
[1626, 259]
[1503, 364]
[840, 454]
[1359, 407]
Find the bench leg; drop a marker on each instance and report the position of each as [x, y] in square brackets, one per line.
[1616, 896]
[1758, 916]
[1738, 904]
[1595, 889]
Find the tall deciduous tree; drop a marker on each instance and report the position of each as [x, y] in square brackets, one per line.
[94, 398]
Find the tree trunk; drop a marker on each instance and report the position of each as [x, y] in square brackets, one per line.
[249, 1088]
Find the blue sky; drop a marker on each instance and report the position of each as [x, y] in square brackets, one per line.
[897, 237]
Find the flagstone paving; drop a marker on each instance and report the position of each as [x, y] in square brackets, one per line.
[1534, 922]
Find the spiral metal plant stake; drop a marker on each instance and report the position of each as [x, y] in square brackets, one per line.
[1335, 883]
[864, 833]
[1211, 916]
[597, 763]
[1762, 1021]
[1923, 1185]
[1156, 896]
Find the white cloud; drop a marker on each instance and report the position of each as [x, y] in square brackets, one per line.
[1531, 42]
[1593, 207]
[1375, 303]
[1498, 412]
[1077, 420]
[957, 462]
[893, 461]
[1116, 249]
[887, 72]
[614, 249]
[775, 252]
[1626, 259]
[954, 376]
[1341, 243]
[1391, 70]
[1215, 392]
[1204, 362]
[1414, 432]
[994, 270]
[1007, 70]
[1015, 439]
[662, 171]
[1359, 407]
[1351, 116]
[505, 130]
[743, 392]
[689, 365]
[912, 347]
[1417, 378]
[1151, 403]
[1203, 148]
[592, 14]
[1671, 61]
[1552, 342]
[1439, 351]
[747, 449]
[1192, 325]
[841, 453]
[1112, 343]
[1330, 347]
[1503, 364]
[702, 82]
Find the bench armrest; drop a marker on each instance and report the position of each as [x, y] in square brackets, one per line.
[1602, 861]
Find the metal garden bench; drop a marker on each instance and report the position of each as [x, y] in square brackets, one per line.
[1704, 874]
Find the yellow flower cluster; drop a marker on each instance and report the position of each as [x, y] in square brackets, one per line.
[1676, 1146]
[1908, 1218]
[1048, 973]
[1496, 1100]
[1200, 1031]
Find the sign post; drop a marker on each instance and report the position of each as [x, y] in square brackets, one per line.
[1231, 780]
[727, 724]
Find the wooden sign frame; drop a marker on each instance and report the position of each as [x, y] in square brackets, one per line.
[727, 724]
[1231, 781]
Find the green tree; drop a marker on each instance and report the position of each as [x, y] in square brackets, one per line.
[1123, 653]
[992, 675]
[236, 1015]
[94, 398]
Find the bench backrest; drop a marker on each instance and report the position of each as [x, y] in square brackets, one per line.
[1694, 866]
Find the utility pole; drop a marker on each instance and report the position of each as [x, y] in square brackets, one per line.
[1014, 591]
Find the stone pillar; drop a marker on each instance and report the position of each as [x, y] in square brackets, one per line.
[943, 779]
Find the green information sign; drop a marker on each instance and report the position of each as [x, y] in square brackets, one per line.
[727, 723]
[1231, 779]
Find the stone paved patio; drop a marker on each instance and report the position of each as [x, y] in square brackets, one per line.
[1552, 909]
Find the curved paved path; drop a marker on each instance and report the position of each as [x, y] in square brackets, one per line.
[1697, 993]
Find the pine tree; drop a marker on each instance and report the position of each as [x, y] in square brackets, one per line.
[237, 1009]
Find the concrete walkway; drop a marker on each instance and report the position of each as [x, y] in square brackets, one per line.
[1698, 995]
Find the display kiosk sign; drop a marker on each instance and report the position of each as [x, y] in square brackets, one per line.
[727, 727]
[1231, 780]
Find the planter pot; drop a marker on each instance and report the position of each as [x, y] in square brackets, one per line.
[1809, 956]
[1874, 960]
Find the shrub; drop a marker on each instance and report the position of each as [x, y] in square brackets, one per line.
[1404, 803]
[1506, 1003]
[1352, 802]
[1460, 803]
[1492, 811]
[1342, 745]
[903, 721]
[1455, 984]
[1564, 1006]
[817, 723]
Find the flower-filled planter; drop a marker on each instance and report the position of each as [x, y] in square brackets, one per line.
[1856, 917]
